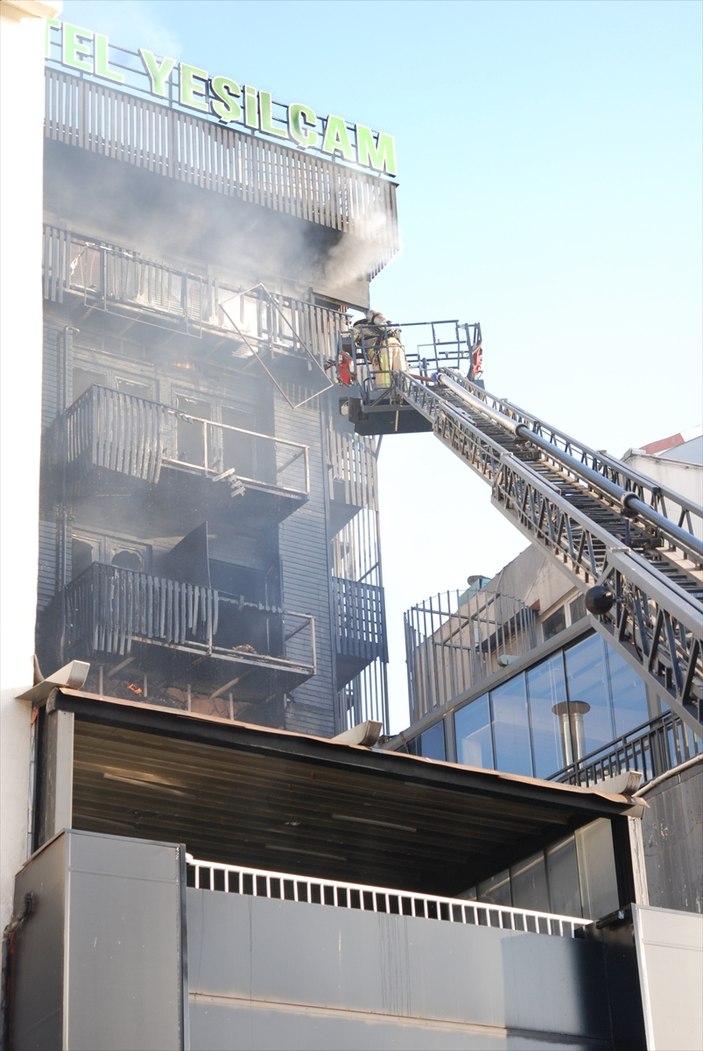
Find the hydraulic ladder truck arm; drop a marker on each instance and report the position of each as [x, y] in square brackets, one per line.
[632, 545]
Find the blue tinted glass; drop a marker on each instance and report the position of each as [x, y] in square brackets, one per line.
[511, 728]
[587, 681]
[431, 742]
[546, 687]
[473, 734]
[628, 693]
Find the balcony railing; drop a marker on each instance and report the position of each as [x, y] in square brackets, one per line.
[278, 329]
[652, 748]
[236, 879]
[116, 612]
[360, 619]
[353, 468]
[132, 436]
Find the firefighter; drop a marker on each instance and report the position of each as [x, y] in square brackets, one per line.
[477, 366]
[380, 344]
[344, 364]
[345, 368]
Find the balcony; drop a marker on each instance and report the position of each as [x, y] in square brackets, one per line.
[112, 442]
[175, 633]
[361, 627]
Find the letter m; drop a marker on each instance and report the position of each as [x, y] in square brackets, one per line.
[377, 155]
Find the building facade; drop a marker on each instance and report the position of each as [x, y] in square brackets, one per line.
[208, 527]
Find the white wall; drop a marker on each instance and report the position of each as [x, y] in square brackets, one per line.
[670, 961]
[22, 34]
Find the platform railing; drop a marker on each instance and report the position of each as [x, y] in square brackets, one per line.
[263, 883]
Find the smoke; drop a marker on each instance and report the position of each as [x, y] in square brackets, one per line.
[369, 241]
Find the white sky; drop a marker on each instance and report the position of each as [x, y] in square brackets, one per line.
[550, 187]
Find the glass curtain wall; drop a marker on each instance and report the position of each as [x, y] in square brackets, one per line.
[573, 703]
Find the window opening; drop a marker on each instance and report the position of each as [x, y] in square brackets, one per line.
[193, 435]
[553, 624]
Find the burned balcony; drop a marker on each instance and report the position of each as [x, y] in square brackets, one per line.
[168, 635]
[111, 442]
[361, 627]
[229, 325]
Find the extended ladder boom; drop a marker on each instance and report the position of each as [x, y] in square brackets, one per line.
[614, 529]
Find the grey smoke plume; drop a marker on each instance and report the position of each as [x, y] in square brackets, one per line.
[367, 242]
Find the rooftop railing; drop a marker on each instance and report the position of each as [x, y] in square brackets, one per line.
[182, 146]
[456, 641]
[261, 883]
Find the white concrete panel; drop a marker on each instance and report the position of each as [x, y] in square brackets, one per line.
[670, 959]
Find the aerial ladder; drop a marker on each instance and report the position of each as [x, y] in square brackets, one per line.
[630, 543]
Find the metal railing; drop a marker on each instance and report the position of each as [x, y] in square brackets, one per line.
[360, 618]
[268, 462]
[130, 435]
[352, 468]
[364, 697]
[652, 748]
[262, 883]
[455, 641]
[109, 608]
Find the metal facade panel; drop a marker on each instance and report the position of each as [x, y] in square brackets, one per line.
[246, 950]
[260, 1027]
[38, 966]
[124, 959]
[304, 545]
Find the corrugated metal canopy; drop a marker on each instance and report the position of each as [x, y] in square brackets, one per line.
[271, 799]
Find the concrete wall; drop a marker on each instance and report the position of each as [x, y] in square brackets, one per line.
[22, 31]
[670, 963]
[672, 833]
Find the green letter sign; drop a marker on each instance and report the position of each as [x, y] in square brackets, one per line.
[223, 98]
